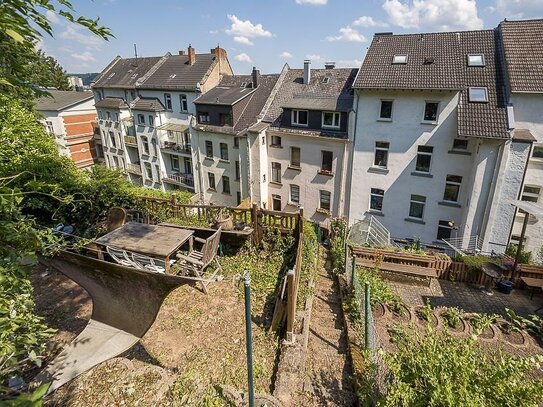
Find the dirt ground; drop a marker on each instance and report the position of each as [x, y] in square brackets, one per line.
[197, 339]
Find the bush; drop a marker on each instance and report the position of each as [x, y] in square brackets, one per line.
[380, 291]
[310, 256]
[525, 255]
[338, 241]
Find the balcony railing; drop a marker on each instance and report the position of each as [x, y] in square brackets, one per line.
[179, 179]
[130, 140]
[134, 168]
[177, 147]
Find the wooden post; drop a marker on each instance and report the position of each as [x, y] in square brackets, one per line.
[520, 244]
[291, 305]
[256, 231]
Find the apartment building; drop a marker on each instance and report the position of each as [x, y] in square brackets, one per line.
[225, 115]
[523, 53]
[433, 140]
[70, 117]
[144, 106]
[301, 161]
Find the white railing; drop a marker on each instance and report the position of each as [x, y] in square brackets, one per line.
[465, 245]
[179, 178]
[369, 231]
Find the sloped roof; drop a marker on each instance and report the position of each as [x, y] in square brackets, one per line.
[175, 73]
[523, 48]
[223, 95]
[124, 72]
[60, 100]
[147, 104]
[111, 103]
[438, 61]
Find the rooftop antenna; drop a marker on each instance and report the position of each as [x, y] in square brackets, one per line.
[136, 52]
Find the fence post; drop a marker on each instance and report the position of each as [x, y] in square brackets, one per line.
[291, 305]
[353, 268]
[254, 218]
[367, 316]
[249, 337]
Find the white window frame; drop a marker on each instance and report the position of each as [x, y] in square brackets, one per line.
[112, 139]
[459, 184]
[533, 156]
[329, 200]
[295, 118]
[209, 176]
[173, 159]
[460, 149]
[50, 127]
[299, 157]
[386, 119]
[276, 172]
[447, 226]
[274, 142]
[473, 99]
[334, 125]
[202, 116]
[418, 200]
[424, 153]
[168, 101]
[206, 144]
[530, 194]
[183, 102]
[145, 145]
[426, 102]
[291, 199]
[141, 119]
[470, 63]
[151, 121]
[380, 148]
[400, 59]
[382, 196]
[148, 169]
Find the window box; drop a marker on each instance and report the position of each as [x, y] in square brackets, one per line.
[325, 172]
[378, 170]
[222, 160]
[323, 211]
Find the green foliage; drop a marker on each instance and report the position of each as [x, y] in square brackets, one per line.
[415, 248]
[533, 323]
[33, 399]
[481, 322]
[476, 263]
[425, 312]
[310, 258]
[338, 242]
[452, 316]
[379, 288]
[449, 371]
[525, 255]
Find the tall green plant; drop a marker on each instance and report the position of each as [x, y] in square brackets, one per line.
[337, 242]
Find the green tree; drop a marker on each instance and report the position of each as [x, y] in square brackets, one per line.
[47, 72]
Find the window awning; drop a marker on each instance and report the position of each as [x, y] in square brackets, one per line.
[174, 127]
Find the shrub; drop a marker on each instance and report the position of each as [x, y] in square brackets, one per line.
[452, 315]
[481, 321]
[310, 256]
[425, 312]
[338, 241]
[380, 291]
[525, 255]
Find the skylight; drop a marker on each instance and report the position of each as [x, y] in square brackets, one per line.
[326, 79]
[478, 95]
[173, 75]
[111, 75]
[399, 59]
[476, 60]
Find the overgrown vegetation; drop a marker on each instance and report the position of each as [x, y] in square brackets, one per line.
[310, 261]
[481, 321]
[452, 317]
[337, 244]
[449, 371]
[525, 255]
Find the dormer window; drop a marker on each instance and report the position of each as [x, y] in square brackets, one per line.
[476, 60]
[299, 118]
[399, 59]
[331, 119]
[479, 95]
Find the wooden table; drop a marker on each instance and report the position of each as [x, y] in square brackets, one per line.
[533, 283]
[151, 240]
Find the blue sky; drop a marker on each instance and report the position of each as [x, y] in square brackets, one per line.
[264, 33]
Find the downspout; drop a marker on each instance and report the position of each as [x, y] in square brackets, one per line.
[349, 177]
[342, 181]
[198, 165]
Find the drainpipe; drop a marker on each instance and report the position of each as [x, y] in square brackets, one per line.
[198, 163]
[349, 177]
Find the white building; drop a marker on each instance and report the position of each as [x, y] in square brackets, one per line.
[433, 155]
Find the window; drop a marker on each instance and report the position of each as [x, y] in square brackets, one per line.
[236, 142]
[224, 151]
[225, 119]
[294, 194]
[275, 141]
[116, 116]
[99, 150]
[50, 128]
[209, 149]
[515, 239]
[324, 200]
[168, 101]
[376, 199]
[203, 117]
[211, 181]
[325, 80]
[276, 172]
[155, 147]
[327, 158]
[299, 118]
[238, 197]
[444, 229]
[148, 170]
[108, 115]
[330, 119]
[530, 193]
[157, 172]
[151, 121]
[386, 110]
[537, 152]
[175, 162]
[99, 95]
[460, 144]
[183, 103]
[424, 158]
[225, 185]
[416, 206]
[430, 111]
[133, 94]
[145, 144]
[479, 95]
[295, 157]
[263, 140]
[263, 177]
[115, 161]
[476, 60]
[238, 171]
[452, 188]
[276, 202]
[112, 139]
[141, 119]
[381, 154]
[399, 59]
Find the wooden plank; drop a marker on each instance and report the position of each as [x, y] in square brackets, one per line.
[399, 268]
[532, 282]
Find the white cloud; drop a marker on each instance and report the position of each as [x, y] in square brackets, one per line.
[52, 17]
[349, 63]
[347, 34]
[73, 32]
[243, 57]
[441, 15]
[368, 21]
[213, 31]
[517, 9]
[84, 57]
[314, 57]
[243, 40]
[246, 28]
[312, 2]
[285, 54]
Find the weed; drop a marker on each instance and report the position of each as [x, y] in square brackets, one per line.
[452, 315]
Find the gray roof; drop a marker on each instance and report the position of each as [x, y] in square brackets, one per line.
[60, 100]
[446, 70]
[147, 104]
[522, 43]
[111, 103]
[176, 74]
[124, 72]
[222, 95]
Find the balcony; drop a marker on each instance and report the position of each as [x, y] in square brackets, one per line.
[176, 147]
[179, 178]
[134, 168]
[130, 141]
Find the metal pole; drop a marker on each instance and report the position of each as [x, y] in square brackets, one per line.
[249, 337]
[520, 244]
[353, 269]
[367, 313]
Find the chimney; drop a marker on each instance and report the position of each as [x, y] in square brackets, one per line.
[329, 65]
[256, 77]
[219, 52]
[192, 55]
[181, 52]
[307, 71]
